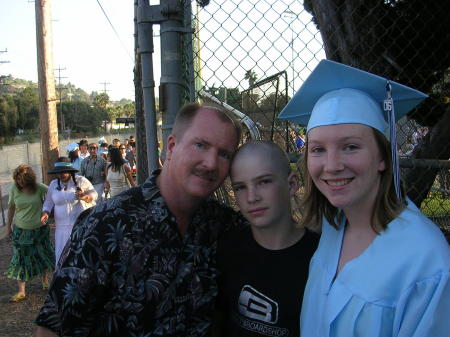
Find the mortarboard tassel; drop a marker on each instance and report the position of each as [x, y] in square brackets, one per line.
[389, 109]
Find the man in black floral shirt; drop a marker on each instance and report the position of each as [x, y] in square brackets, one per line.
[143, 263]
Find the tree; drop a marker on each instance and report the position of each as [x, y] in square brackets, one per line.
[8, 117]
[231, 96]
[251, 76]
[83, 117]
[102, 106]
[128, 110]
[402, 40]
[101, 101]
[27, 103]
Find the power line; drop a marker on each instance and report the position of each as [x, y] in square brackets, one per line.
[115, 31]
[104, 86]
[4, 51]
[60, 89]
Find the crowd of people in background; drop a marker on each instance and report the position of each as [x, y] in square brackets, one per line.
[90, 173]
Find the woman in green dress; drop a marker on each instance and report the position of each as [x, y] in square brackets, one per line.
[33, 254]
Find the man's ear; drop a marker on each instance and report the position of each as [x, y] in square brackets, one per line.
[171, 142]
[293, 183]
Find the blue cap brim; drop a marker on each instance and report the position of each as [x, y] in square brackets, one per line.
[329, 76]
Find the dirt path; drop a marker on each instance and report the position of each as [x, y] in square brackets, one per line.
[16, 319]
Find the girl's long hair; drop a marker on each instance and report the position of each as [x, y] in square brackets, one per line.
[116, 159]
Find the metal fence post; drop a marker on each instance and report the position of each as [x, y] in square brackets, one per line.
[145, 50]
[171, 83]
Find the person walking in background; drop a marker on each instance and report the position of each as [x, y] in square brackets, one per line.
[93, 169]
[116, 142]
[132, 141]
[74, 155]
[83, 146]
[33, 254]
[118, 173]
[67, 197]
[123, 151]
[131, 157]
[103, 150]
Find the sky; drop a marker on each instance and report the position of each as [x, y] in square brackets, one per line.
[83, 43]
[235, 35]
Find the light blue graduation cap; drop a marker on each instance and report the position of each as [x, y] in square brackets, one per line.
[72, 147]
[335, 93]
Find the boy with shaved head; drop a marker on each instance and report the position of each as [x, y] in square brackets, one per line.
[263, 267]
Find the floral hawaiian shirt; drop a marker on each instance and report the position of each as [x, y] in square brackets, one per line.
[128, 272]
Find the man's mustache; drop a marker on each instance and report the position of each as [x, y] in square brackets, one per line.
[210, 175]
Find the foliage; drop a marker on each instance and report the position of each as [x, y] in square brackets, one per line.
[19, 108]
[27, 102]
[82, 117]
[101, 101]
[11, 85]
[435, 205]
[251, 76]
[73, 93]
[8, 116]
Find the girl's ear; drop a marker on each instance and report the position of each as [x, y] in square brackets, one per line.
[293, 183]
[381, 165]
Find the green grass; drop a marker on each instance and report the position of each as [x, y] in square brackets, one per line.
[435, 205]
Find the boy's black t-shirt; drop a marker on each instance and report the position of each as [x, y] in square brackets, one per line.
[261, 290]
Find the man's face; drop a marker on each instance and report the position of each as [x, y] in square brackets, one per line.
[83, 148]
[123, 150]
[93, 150]
[199, 162]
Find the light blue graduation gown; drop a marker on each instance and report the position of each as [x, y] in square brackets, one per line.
[399, 286]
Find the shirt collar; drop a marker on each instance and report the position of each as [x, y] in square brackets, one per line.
[149, 187]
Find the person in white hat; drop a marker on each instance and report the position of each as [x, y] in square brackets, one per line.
[67, 197]
[382, 267]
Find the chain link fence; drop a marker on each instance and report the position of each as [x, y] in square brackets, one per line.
[254, 55]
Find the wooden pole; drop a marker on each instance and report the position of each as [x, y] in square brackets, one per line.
[1, 206]
[47, 93]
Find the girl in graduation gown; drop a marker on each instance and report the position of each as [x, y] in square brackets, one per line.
[381, 268]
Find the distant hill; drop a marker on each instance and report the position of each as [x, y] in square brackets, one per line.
[12, 85]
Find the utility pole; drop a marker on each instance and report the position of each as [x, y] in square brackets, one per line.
[104, 86]
[1, 52]
[46, 83]
[62, 123]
